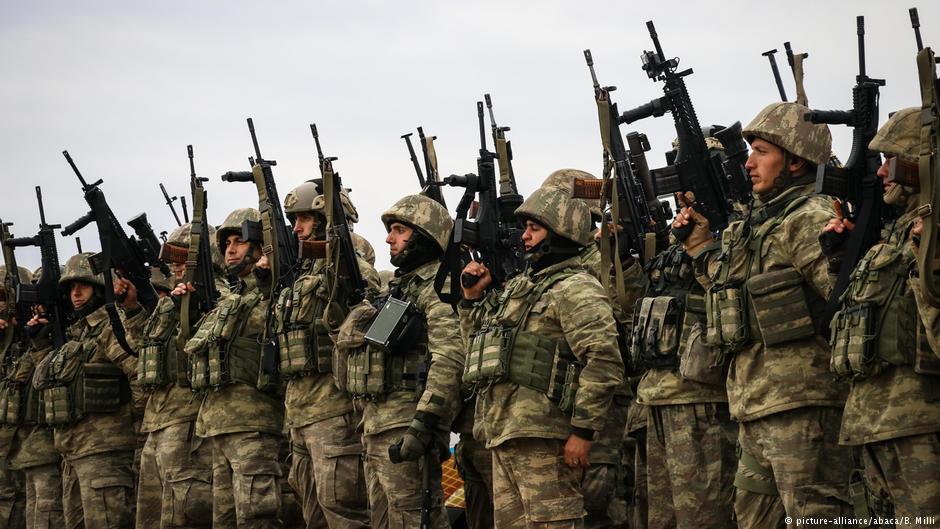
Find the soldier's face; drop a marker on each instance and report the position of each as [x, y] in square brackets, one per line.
[534, 234]
[764, 165]
[80, 293]
[398, 236]
[235, 249]
[304, 225]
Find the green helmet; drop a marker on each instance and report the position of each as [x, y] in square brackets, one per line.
[25, 275]
[562, 215]
[563, 179]
[78, 268]
[423, 214]
[900, 135]
[308, 197]
[232, 225]
[782, 124]
[363, 248]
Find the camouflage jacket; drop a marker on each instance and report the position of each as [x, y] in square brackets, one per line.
[895, 402]
[98, 433]
[767, 380]
[237, 407]
[441, 396]
[574, 310]
[33, 444]
[314, 397]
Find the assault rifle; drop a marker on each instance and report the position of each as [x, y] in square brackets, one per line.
[430, 165]
[487, 237]
[776, 71]
[45, 292]
[280, 243]
[857, 183]
[698, 170]
[15, 307]
[169, 202]
[338, 238]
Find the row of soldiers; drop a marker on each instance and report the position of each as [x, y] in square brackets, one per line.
[703, 395]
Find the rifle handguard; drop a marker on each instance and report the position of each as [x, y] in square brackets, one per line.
[590, 189]
[170, 253]
[313, 249]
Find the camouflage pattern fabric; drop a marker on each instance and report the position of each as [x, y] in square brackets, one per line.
[44, 497]
[98, 490]
[327, 473]
[395, 490]
[12, 485]
[175, 488]
[425, 215]
[900, 135]
[782, 124]
[563, 179]
[534, 488]
[363, 248]
[635, 437]
[691, 462]
[475, 465]
[799, 449]
[557, 211]
[600, 481]
[904, 471]
[246, 476]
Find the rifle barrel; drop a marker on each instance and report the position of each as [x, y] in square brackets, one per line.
[482, 125]
[254, 140]
[776, 71]
[915, 23]
[860, 23]
[78, 173]
[655, 37]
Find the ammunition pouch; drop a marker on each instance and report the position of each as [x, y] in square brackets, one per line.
[303, 335]
[350, 339]
[698, 361]
[779, 307]
[489, 354]
[657, 326]
[727, 316]
[11, 403]
[159, 360]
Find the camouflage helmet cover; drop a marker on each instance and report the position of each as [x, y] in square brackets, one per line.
[423, 214]
[307, 197]
[782, 124]
[563, 179]
[78, 268]
[232, 225]
[26, 277]
[557, 211]
[363, 248]
[900, 135]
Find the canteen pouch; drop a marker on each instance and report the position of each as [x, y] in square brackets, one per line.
[726, 312]
[780, 308]
[656, 332]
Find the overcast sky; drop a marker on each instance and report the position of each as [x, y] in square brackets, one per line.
[125, 86]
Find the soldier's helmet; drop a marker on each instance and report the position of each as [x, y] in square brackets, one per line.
[308, 197]
[562, 215]
[564, 179]
[363, 248]
[232, 225]
[423, 214]
[78, 268]
[782, 124]
[900, 135]
[176, 247]
[26, 277]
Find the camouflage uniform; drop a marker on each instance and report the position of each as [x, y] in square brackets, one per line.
[893, 407]
[475, 464]
[175, 485]
[242, 422]
[524, 426]
[765, 292]
[94, 434]
[414, 392]
[326, 461]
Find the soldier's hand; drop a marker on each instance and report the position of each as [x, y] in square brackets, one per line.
[576, 452]
[37, 319]
[263, 263]
[3, 324]
[835, 232]
[126, 291]
[182, 288]
[485, 279]
[690, 226]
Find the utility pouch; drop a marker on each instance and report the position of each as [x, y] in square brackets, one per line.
[853, 336]
[926, 362]
[11, 399]
[156, 363]
[656, 332]
[199, 371]
[780, 306]
[488, 356]
[367, 372]
[698, 361]
[396, 328]
[104, 389]
[348, 364]
[726, 311]
[570, 389]
[304, 340]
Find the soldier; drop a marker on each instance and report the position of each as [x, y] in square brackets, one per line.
[175, 486]
[85, 388]
[326, 461]
[893, 407]
[242, 414]
[766, 286]
[544, 375]
[409, 389]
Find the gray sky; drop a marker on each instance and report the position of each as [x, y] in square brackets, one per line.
[125, 86]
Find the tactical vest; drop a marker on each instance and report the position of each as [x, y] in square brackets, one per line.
[222, 356]
[503, 350]
[160, 362]
[769, 307]
[304, 340]
[877, 325]
[72, 387]
[19, 402]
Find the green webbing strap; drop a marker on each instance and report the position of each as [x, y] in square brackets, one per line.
[766, 487]
[502, 153]
[858, 494]
[268, 233]
[192, 262]
[929, 174]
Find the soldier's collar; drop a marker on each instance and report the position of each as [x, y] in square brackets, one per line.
[97, 316]
[571, 262]
[763, 211]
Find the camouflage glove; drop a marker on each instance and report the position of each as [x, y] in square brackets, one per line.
[417, 440]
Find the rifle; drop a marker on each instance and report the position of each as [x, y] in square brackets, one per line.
[280, 243]
[338, 236]
[185, 209]
[15, 307]
[199, 266]
[430, 164]
[487, 238]
[776, 71]
[78, 244]
[414, 159]
[509, 197]
[796, 67]
[128, 257]
[45, 292]
[169, 202]
[698, 170]
[858, 183]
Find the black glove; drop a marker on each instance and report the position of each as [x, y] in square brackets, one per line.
[417, 441]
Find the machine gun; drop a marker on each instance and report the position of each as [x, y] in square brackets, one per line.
[857, 184]
[169, 202]
[15, 307]
[698, 169]
[338, 238]
[487, 237]
[509, 197]
[280, 243]
[44, 292]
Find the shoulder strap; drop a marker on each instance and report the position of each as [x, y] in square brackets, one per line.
[540, 288]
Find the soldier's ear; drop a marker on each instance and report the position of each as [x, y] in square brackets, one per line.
[797, 166]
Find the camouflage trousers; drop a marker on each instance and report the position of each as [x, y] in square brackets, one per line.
[791, 465]
[44, 497]
[636, 436]
[12, 497]
[246, 475]
[534, 488]
[395, 491]
[98, 490]
[906, 472]
[175, 486]
[602, 484]
[475, 465]
[691, 462]
[327, 474]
